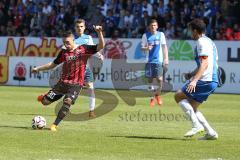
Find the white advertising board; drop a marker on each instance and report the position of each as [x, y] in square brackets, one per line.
[121, 76]
[119, 48]
[20, 71]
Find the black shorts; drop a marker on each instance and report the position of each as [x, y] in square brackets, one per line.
[60, 89]
[153, 70]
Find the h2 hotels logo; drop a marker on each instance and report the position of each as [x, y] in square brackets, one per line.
[3, 69]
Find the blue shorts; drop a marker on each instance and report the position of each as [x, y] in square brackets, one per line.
[153, 70]
[88, 75]
[202, 91]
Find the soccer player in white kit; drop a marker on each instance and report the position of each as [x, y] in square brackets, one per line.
[81, 39]
[202, 82]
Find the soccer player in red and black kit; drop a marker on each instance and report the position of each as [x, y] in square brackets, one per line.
[74, 59]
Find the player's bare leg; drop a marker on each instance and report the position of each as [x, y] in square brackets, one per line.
[41, 98]
[151, 90]
[159, 90]
[67, 102]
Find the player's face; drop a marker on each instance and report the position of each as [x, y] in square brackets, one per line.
[68, 42]
[79, 28]
[153, 27]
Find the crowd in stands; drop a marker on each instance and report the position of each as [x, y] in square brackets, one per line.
[49, 18]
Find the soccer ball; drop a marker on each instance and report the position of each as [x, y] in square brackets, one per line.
[38, 122]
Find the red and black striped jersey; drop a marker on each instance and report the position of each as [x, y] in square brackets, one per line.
[74, 63]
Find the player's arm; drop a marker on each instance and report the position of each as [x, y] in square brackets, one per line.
[165, 54]
[203, 66]
[101, 42]
[144, 44]
[203, 50]
[59, 59]
[44, 67]
[164, 49]
[99, 55]
[190, 74]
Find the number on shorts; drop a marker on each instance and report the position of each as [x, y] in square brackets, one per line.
[51, 95]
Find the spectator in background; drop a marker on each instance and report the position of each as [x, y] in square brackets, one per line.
[169, 32]
[109, 23]
[161, 8]
[144, 22]
[68, 19]
[186, 10]
[236, 32]
[82, 7]
[121, 19]
[46, 9]
[146, 7]
[128, 23]
[38, 14]
[114, 48]
[137, 7]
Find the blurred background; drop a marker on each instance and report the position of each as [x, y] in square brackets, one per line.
[48, 18]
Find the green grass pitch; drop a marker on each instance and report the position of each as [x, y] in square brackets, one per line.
[125, 133]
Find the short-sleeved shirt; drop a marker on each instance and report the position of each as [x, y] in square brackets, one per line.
[207, 48]
[74, 63]
[84, 39]
[156, 40]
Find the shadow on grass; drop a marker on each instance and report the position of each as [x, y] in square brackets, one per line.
[21, 127]
[155, 138]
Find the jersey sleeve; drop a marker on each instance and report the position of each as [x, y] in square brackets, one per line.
[144, 42]
[203, 48]
[59, 59]
[90, 49]
[90, 41]
[163, 39]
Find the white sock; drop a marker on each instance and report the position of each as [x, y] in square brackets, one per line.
[205, 124]
[187, 108]
[91, 99]
[151, 91]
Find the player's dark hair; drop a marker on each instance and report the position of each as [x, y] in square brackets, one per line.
[198, 25]
[152, 21]
[80, 21]
[67, 34]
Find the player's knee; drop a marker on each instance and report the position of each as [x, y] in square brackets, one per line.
[45, 102]
[67, 101]
[150, 80]
[159, 79]
[90, 85]
[177, 96]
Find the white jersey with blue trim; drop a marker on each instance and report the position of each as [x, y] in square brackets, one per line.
[206, 47]
[155, 40]
[84, 39]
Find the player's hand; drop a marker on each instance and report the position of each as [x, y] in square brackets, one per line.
[191, 86]
[165, 68]
[166, 62]
[35, 70]
[150, 47]
[99, 56]
[97, 28]
[187, 76]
